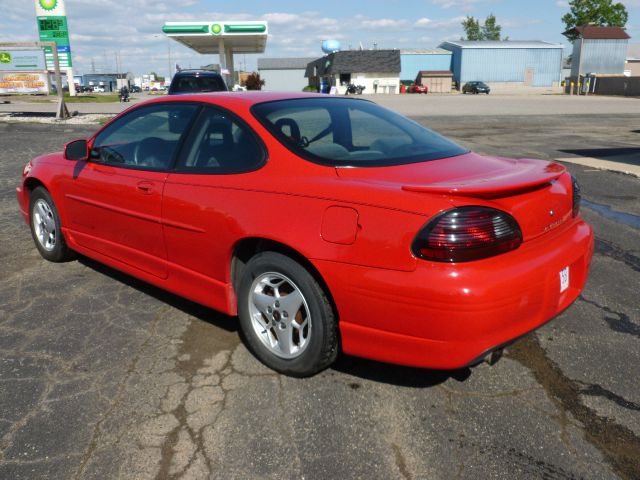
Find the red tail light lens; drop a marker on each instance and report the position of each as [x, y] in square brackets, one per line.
[467, 233]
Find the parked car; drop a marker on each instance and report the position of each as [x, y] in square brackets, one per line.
[196, 81]
[417, 89]
[476, 87]
[322, 222]
[135, 89]
[98, 89]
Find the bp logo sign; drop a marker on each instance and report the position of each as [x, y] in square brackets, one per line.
[48, 4]
[5, 57]
[216, 29]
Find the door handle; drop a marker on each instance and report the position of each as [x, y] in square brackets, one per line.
[145, 187]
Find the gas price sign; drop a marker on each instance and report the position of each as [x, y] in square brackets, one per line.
[52, 26]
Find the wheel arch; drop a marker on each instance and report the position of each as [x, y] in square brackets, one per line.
[248, 247]
[31, 183]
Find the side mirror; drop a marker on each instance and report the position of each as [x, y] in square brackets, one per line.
[76, 150]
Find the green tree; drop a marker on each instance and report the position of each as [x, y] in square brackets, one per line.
[471, 28]
[159, 78]
[603, 13]
[490, 30]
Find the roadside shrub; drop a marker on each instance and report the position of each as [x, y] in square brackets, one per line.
[254, 82]
[310, 88]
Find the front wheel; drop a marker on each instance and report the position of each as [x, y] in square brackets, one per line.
[45, 227]
[285, 316]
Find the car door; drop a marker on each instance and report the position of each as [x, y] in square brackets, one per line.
[114, 199]
[204, 199]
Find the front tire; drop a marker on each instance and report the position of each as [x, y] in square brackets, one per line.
[46, 228]
[285, 316]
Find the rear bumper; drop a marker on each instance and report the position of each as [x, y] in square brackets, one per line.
[448, 315]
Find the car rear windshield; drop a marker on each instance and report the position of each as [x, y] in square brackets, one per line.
[198, 84]
[347, 132]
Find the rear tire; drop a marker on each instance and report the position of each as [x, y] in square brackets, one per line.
[46, 227]
[286, 318]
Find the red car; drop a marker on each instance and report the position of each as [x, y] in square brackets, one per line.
[417, 89]
[324, 223]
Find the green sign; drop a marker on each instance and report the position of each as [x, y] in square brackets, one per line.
[5, 57]
[54, 29]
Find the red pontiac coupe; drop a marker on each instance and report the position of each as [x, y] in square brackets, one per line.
[418, 89]
[324, 223]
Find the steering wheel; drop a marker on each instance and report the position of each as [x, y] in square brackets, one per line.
[145, 148]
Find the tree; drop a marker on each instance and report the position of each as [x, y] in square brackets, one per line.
[159, 78]
[254, 82]
[490, 30]
[472, 28]
[603, 13]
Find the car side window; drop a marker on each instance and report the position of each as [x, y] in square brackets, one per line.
[145, 138]
[219, 143]
[375, 135]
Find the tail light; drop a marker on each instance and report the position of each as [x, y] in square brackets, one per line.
[467, 233]
[576, 197]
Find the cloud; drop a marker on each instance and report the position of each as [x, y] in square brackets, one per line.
[132, 29]
[461, 4]
[440, 24]
[383, 23]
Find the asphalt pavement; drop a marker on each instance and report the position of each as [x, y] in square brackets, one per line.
[103, 376]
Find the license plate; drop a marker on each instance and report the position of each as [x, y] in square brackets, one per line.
[564, 279]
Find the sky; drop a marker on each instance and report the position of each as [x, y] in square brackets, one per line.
[104, 32]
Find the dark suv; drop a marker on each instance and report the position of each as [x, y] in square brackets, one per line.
[476, 87]
[197, 81]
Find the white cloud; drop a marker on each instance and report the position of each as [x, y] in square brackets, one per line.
[132, 29]
[440, 24]
[383, 23]
[461, 4]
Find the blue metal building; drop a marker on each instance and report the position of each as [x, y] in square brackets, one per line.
[413, 61]
[533, 63]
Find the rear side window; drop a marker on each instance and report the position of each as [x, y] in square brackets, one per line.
[198, 84]
[145, 138]
[219, 143]
[349, 132]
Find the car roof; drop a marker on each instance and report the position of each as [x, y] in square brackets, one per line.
[191, 72]
[244, 99]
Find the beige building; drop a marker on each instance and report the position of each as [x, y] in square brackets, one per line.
[632, 64]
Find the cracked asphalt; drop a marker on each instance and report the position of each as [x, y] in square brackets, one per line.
[103, 376]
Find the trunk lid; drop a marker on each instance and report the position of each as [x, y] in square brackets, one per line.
[536, 193]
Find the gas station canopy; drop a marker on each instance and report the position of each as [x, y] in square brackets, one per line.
[214, 37]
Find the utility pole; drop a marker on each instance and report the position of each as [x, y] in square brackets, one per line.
[169, 56]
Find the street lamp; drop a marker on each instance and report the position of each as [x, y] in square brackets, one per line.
[168, 53]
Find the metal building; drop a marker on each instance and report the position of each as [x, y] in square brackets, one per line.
[532, 63]
[283, 74]
[598, 50]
